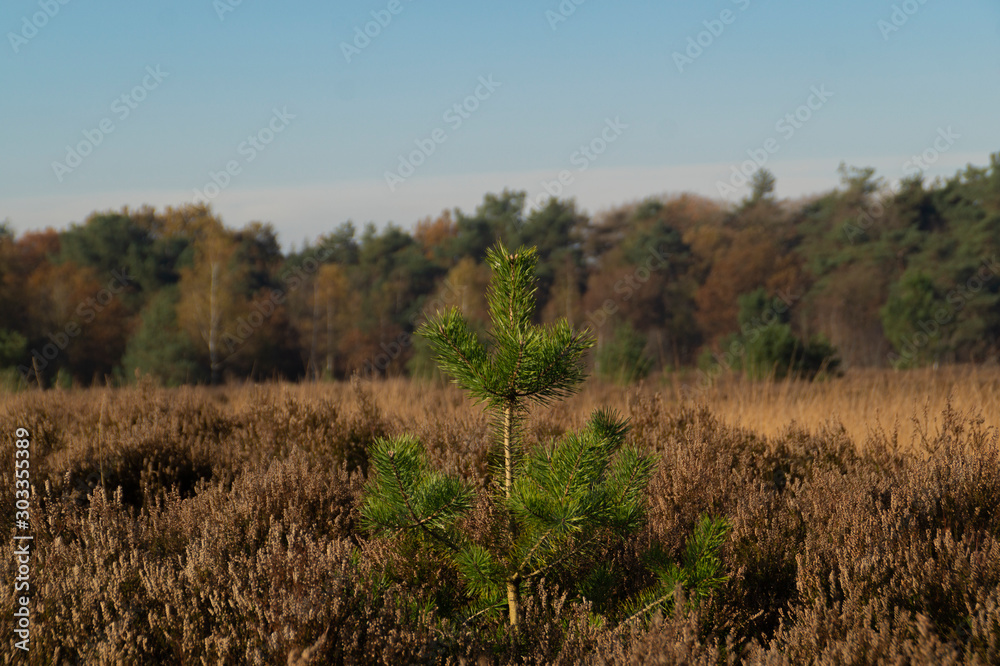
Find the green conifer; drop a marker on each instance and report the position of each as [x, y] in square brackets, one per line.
[557, 502]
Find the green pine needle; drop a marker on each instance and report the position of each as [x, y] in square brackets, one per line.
[403, 496]
[561, 504]
[529, 363]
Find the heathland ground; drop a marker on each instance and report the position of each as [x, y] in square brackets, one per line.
[221, 524]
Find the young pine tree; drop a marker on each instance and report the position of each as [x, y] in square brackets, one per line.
[559, 502]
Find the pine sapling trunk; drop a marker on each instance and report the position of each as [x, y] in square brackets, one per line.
[512, 602]
[529, 364]
[508, 437]
[508, 445]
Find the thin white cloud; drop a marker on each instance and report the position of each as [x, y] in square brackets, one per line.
[305, 212]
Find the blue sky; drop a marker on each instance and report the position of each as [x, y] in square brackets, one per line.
[209, 85]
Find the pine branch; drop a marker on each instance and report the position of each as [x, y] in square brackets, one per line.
[479, 569]
[491, 607]
[403, 496]
[409, 507]
[648, 607]
[562, 558]
[458, 500]
[631, 473]
[512, 380]
[700, 570]
[459, 352]
[511, 295]
[563, 371]
[570, 478]
[527, 558]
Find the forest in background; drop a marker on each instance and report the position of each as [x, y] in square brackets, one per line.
[865, 275]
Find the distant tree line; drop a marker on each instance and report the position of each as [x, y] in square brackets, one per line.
[863, 275]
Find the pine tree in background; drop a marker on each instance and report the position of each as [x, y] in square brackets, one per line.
[557, 503]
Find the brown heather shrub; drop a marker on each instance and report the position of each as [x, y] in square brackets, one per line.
[221, 526]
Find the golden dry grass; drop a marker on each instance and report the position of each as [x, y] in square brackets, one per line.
[863, 401]
[910, 402]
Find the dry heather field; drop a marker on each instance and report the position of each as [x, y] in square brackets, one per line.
[222, 525]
